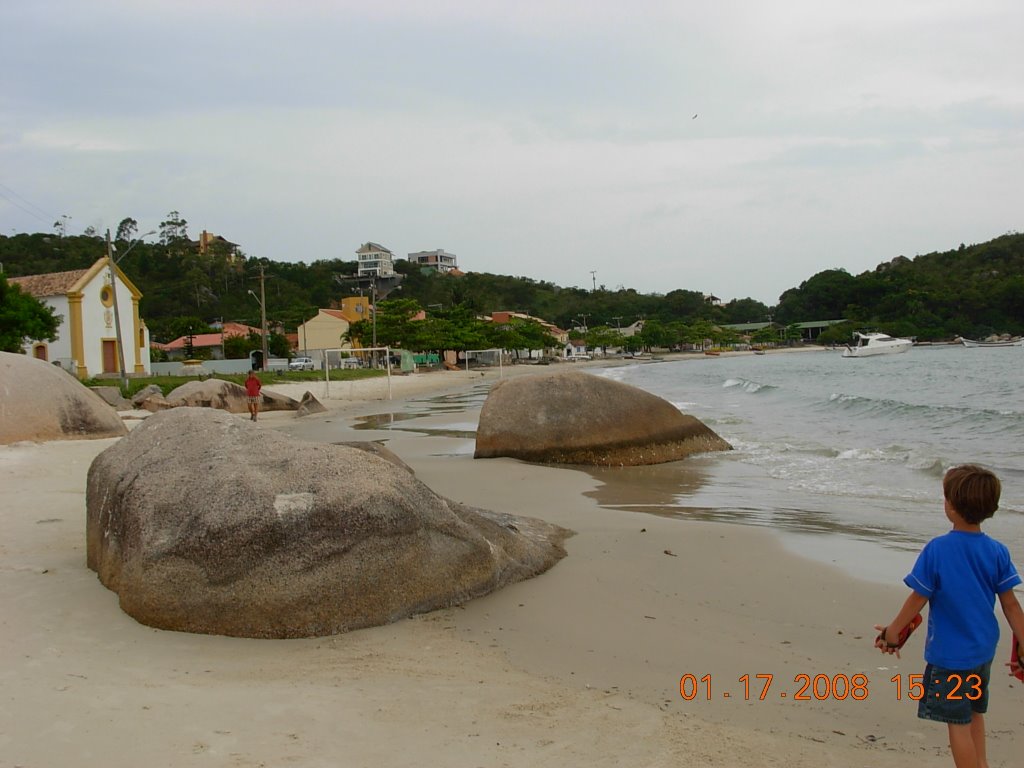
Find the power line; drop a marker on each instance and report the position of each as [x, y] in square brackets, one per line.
[44, 217]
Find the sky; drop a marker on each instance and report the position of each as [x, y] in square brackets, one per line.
[734, 147]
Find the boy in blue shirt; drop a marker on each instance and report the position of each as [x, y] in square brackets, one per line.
[959, 575]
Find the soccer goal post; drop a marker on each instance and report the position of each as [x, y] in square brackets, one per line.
[493, 350]
[357, 351]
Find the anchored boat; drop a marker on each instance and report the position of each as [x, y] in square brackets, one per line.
[998, 343]
[871, 344]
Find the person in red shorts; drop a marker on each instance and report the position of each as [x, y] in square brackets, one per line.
[252, 394]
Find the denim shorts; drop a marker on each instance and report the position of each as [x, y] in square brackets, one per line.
[954, 695]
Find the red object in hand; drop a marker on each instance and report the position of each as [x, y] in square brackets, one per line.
[904, 633]
[1015, 658]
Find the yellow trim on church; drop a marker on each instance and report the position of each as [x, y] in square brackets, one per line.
[75, 328]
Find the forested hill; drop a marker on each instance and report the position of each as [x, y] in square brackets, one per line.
[972, 290]
[180, 286]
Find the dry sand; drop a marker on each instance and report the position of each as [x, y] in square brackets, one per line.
[580, 666]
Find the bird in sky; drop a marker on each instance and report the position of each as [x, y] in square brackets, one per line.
[694, 117]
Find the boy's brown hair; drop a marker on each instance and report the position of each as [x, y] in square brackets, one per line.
[973, 491]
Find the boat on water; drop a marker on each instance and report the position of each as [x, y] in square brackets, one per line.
[872, 344]
[997, 343]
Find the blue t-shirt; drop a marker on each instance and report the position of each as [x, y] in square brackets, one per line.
[961, 573]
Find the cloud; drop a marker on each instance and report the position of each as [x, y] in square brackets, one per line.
[537, 138]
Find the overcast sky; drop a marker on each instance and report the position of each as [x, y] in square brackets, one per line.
[733, 147]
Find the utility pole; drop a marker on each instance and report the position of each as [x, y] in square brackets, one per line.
[593, 279]
[117, 314]
[263, 316]
[117, 317]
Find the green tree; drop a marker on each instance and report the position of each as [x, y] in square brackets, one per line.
[767, 335]
[23, 318]
[175, 327]
[239, 347]
[126, 230]
[745, 311]
[519, 334]
[602, 337]
[792, 333]
[656, 334]
[174, 229]
[701, 332]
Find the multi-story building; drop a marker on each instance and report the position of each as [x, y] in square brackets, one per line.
[438, 260]
[375, 260]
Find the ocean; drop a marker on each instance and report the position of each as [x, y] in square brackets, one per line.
[836, 450]
[843, 457]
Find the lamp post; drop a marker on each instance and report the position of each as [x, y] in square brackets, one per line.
[117, 314]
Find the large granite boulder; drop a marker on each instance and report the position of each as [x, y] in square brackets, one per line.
[226, 396]
[39, 401]
[579, 418]
[202, 522]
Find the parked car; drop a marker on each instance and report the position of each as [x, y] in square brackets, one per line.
[301, 364]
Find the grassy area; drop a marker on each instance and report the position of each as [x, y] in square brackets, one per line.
[168, 383]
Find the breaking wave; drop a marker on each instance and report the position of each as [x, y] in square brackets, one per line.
[753, 387]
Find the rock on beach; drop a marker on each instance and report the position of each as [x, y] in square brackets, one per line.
[226, 396]
[203, 522]
[579, 418]
[39, 401]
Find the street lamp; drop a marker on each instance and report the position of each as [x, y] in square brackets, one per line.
[117, 314]
[263, 322]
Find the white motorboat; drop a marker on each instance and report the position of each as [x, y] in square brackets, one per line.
[871, 344]
[998, 343]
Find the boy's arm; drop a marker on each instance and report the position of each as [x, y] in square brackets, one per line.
[1014, 616]
[891, 633]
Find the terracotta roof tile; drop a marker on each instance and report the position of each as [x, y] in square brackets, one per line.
[50, 284]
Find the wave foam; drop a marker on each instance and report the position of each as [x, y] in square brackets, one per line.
[747, 385]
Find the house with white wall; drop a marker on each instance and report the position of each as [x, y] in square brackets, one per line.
[86, 342]
[375, 260]
[438, 260]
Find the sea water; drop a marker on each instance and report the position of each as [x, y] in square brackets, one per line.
[842, 456]
[847, 449]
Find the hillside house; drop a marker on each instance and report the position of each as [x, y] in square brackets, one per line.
[375, 260]
[437, 260]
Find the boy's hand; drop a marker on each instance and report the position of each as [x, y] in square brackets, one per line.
[1016, 662]
[882, 641]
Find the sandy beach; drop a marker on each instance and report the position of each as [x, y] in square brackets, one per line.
[580, 666]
